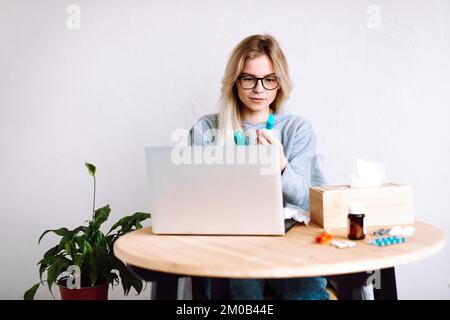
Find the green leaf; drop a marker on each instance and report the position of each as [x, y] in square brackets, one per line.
[129, 222]
[78, 229]
[91, 168]
[121, 222]
[55, 270]
[100, 216]
[42, 268]
[29, 295]
[79, 240]
[52, 251]
[46, 262]
[68, 247]
[67, 238]
[88, 253]
[100, 241]
[78, 260]
[59, 232]
[87, 248]
[93, 272]
[141, 216]
[110, 240]
[127, 278]
[112, 278]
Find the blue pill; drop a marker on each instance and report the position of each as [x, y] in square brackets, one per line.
[240, 139]
[270, 122]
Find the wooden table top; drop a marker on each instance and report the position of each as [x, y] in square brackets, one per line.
[295, 254]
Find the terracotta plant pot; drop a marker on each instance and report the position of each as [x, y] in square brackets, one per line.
[99, 292]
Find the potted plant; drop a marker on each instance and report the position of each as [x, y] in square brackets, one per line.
[83, 264]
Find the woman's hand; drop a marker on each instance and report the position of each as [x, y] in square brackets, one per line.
[266, 137]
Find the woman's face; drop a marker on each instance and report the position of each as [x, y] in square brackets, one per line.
[258, 98]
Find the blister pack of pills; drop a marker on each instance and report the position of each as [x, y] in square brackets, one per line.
[387, 241]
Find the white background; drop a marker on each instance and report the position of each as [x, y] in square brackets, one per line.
[136, 70]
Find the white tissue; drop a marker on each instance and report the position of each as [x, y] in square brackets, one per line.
[368, 174]
[402, 231]
[298, 214]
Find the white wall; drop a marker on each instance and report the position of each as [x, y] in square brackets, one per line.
[136, 70]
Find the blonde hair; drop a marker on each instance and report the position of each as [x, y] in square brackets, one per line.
[229, 118]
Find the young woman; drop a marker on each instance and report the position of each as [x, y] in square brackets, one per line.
[257, 83]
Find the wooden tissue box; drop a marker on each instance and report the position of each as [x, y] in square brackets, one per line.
[390, 204]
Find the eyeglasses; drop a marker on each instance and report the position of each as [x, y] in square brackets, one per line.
[248, 82]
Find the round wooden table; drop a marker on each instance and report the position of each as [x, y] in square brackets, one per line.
[293, 255]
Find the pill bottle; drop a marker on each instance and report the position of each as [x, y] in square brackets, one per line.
[355, 226]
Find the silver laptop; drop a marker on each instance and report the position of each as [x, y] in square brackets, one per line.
[215, 190]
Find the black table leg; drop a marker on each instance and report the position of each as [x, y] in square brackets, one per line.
[388, 286]
[166, 289]
[199, 288]
[220, 289]
[349, 285]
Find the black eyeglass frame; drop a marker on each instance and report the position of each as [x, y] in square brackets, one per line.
[257, 80]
